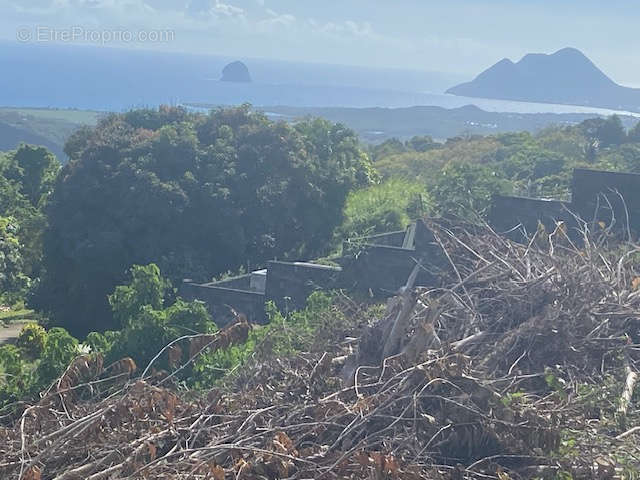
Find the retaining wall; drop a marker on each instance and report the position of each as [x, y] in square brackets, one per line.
[289, 284]
[219, 300]
[607, 197]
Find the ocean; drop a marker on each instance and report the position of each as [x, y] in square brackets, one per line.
[108, 79]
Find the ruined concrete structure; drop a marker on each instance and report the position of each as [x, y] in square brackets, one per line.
[379, 265]
[609, 198]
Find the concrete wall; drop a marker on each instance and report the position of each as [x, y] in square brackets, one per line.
[518, 217]
[424, 241]
[591, 186]
[242, 282]
[383, 270]
[289, 284]
[391, 239]
[218, 300]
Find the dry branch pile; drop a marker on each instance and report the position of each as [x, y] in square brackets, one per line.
[522, 364]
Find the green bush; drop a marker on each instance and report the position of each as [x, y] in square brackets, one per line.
[32, 340]
[147, 326]
[14, 384]
[284, 335]
[41, 357]
[38, 359]
[60, 349]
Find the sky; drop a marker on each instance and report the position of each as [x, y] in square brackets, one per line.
[456, 36]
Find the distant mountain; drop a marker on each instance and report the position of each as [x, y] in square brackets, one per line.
[236, 72]
[566, 77]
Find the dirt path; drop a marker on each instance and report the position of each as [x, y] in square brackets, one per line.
[9, 333]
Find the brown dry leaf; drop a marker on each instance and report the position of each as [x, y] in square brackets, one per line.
[234, 334]
[503, 475]
[635, 284]
[362, 459]
[217, 472]
[32, 473]
[241, 466]
[385, 465]
[153, 452]
[363, 405]
[283, 444]
[170, 407]
[198, 344]
[280, 467]
[125, 366]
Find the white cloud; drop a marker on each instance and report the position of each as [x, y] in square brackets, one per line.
[275, 22]
[249, 28]
[346, 28]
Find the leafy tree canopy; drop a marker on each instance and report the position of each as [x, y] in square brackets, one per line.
[196, 194]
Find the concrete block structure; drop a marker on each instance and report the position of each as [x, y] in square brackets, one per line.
[378, 265]
[611, 199]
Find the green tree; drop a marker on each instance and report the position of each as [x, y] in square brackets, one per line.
[606, 132]
[146, 288]
[35, 170]
[196, 194]
[27, 176]
[422, 143]
[466, 189]
[60, 349]
[393, 146]
[13, 282]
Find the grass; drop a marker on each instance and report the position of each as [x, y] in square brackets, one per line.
[84, 117]
[385, 207]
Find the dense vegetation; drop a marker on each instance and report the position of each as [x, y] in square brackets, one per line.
[197, 194]
[98, 247]
[463, 173]
[200, 195]
[27, 176]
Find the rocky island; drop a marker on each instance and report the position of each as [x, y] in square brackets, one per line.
[236, 72]
[565, 77]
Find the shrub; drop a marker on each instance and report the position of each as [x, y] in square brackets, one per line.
[32, 340]
[284, 335]
[60, 349]
[13, 382]
[147, 326]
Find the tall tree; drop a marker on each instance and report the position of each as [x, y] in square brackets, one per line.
[196, 194]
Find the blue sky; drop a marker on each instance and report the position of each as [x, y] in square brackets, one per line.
[463, 36]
